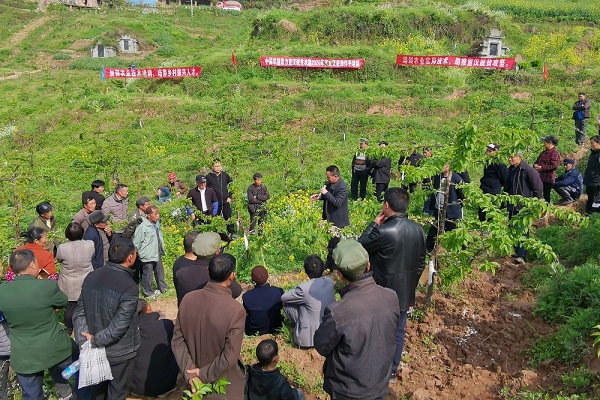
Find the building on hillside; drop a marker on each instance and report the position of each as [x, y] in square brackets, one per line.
[101, 51]
[128, 45]
[81, 3]
[492, 45]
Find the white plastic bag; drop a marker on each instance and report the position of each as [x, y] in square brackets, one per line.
[94, 367]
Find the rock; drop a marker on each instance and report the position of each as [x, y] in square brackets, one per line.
[422, 394]
[430, 384]
[529, 378]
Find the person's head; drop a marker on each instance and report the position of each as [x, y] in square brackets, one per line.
[267, 353]
[427, 152]
[37, 236]
[142, 203]
[383, 143]
[98, 186]
[259, 275]
[313, 266]
[595, 142]
[207, 245]
[351, 259]
[217, 167]
[201, 181]
[550, 142]
[395, 200]
[143, 307]
[492, 149]
[122, 251]
[122, 191]
[221, 268]
[23, 262]
[152, 214]
[569, 163]
[172, 177]
[333, 174]
[581, 96]
[364, 143]
[257, 177]
[446, 169]
[515, 158]
[74, 231]
[98, 219]
[89, 204]
[188, 241]
[44, 210]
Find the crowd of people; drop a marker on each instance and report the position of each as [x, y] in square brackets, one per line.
[111, 256]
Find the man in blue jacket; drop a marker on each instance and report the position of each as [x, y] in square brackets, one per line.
[569, 185]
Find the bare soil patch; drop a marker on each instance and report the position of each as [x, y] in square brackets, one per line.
[397, 108]
[456, 94]
[520, 95]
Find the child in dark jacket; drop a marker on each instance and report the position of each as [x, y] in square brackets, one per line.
[265, 381]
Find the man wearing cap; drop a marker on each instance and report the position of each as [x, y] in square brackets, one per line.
[99, 233]
[381, 169]
[176, 185]
[569, 185]
[335, 198]
[396, 247]
[219, 180]
[494, 175]
[149, 242]
[358, 332]
[190, 272]
[262, 304]
[522, 180]
[546, 165]
[47, 222]
[581, 114]
[209, 331]
[258, 194]
[204, 198]
[360, 170]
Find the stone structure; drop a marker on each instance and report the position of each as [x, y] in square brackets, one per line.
[99, 50]
[492, 45]
[128, 45]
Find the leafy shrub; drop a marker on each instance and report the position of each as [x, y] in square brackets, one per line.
[61, 56]
[574, 246]
[96, 64]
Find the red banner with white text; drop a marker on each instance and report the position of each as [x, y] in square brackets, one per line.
[307, 62]
[455, 61]
[152, 73]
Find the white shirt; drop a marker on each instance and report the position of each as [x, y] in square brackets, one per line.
[203, 199]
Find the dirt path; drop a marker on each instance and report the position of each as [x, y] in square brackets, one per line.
[18, 37]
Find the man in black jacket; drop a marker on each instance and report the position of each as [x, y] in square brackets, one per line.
[335, 198]
[591, 177]
[219, 180]
[155, 368]
[358, 332]
[381, 169]
[494, 175]
[396, 247]
[524, 181]
[106, 315]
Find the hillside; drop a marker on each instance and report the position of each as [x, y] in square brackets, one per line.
[62, 126]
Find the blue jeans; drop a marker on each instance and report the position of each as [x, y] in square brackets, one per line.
[31, 384]
[399, 341]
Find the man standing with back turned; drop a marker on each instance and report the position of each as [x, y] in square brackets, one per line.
[396, 247]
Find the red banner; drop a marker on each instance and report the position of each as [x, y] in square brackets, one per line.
[455, 61]
[304, 62]
[152, 73]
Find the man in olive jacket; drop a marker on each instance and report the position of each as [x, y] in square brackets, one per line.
[209, 330]
[396, 247]
[38, 342]
[359, 331]
[106, 315]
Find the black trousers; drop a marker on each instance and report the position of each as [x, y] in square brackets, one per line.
[379, 189]
[362, 178]
[449, 225]
[68, 315]
[225, 210]
[118, 387]
[592, 192]
[547, 191]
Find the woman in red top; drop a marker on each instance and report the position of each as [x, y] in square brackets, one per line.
[36, 239]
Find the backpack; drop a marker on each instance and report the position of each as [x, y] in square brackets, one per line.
[131, 227]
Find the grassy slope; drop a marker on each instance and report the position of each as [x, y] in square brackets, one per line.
[288, 124]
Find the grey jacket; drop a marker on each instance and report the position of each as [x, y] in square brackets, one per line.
[146, 240]
[4, 339]
[310, 298]
[116, 208]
